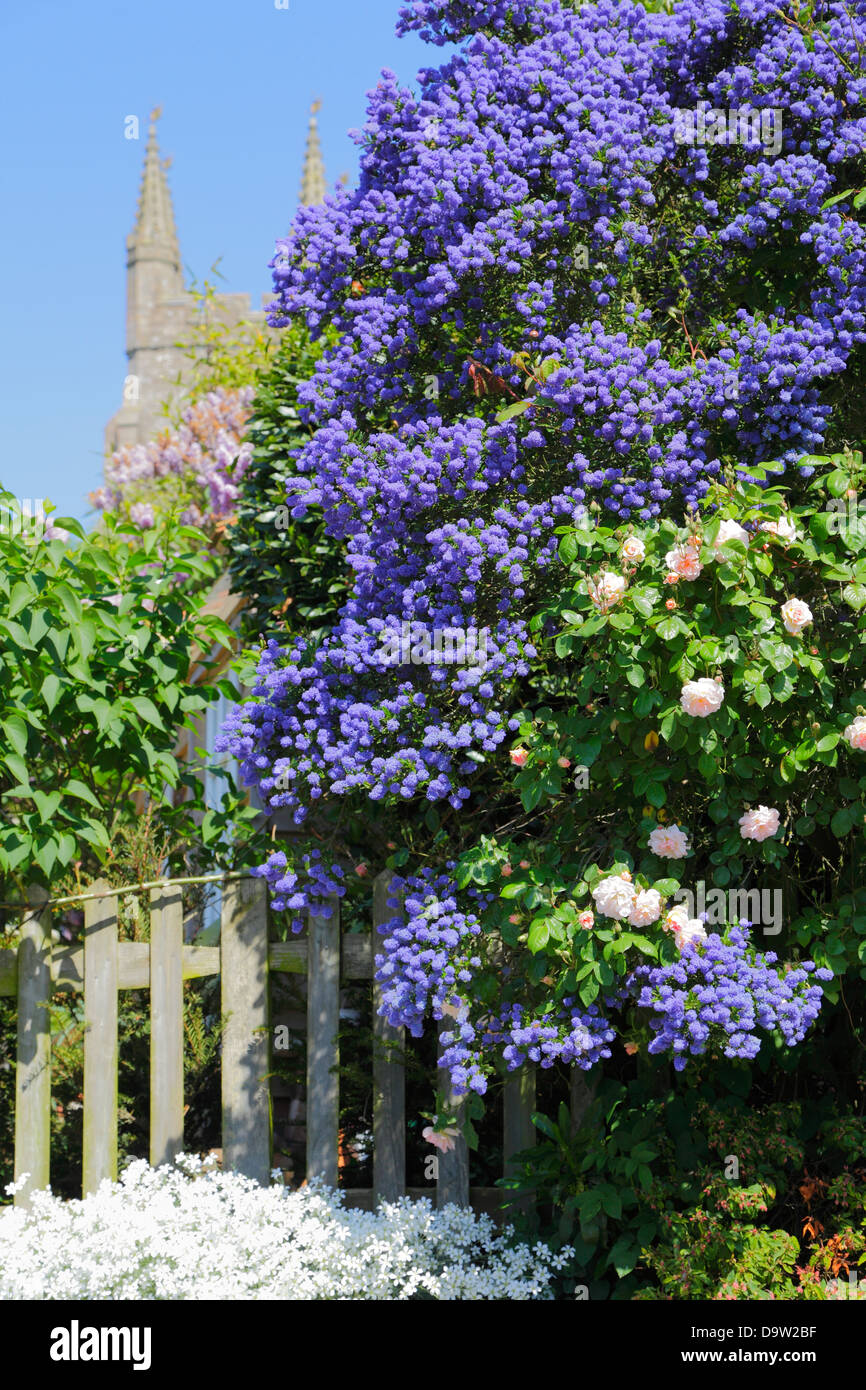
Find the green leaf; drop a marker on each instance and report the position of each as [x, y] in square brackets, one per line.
[511, 411]
[15, 732]
[74, 787]
[70, 603]
[51, 688]
[146, 709]
[539, 935]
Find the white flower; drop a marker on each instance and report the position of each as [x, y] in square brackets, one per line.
[647, 908]
[855, 733]
[669, 842]
[759, 823]
[192, 1232]
[676, 918]
[691, 932]
[606, 589]
[796, 615]
[614, 896]
[729, 531]
[633, 550]
[783, 529]
[702, 697]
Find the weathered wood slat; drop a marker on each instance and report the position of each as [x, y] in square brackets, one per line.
[518, 1131]
[323, 1052]
[452, 1184]
[33, 1070]
[166, 1025]
[246, 1037]
[133, 965]
[357, 956]
[100, 1040]
[389, 1078]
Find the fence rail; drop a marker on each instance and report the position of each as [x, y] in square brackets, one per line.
[245, 958]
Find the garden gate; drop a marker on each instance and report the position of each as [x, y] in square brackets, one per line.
[102, 965]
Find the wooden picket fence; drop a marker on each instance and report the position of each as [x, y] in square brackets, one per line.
[244, 959]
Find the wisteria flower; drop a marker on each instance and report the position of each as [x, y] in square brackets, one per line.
[614, 897]
[669, 842]
[759, 823]
[796, 615]
[703, 697]
[855, 733]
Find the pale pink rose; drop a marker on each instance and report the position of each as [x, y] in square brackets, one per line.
[759, 823]
[783, 529]
[586, 920]
[606, 589]
[669, 842]
[690, 933]
[633, 550]
[676, 918]
[702, 697]
[442, 1139]
[729, 531]
[519, 756]
[563, 762]
[796, 615]
[614, 897]
[647, 908]
[683, 562]
[855, 733]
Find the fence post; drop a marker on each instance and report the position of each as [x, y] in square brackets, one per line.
[100, 1040]
[33, 1069]
[389, 1080]
[323, 1049]
[246, 1100]
[166, 1024]
[452, 1183]
[518, 1131]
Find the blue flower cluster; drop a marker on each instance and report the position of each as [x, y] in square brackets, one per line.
[720, 993]
[531, 203]
[305, 889]
[429, 953]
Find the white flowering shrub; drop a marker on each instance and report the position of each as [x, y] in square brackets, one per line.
[192, 1232]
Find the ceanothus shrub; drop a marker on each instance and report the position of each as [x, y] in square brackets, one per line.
[543, 302]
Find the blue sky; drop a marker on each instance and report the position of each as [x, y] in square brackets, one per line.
[235, 79]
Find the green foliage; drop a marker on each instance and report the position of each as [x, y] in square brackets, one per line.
[696, 1192]
[97, 641]
[291, 574]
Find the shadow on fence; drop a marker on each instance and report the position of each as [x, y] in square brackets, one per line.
[102, 965]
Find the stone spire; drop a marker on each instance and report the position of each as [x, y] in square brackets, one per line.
[154, 236]
[313, 187]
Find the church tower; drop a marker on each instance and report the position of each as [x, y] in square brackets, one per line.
[160, 312]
